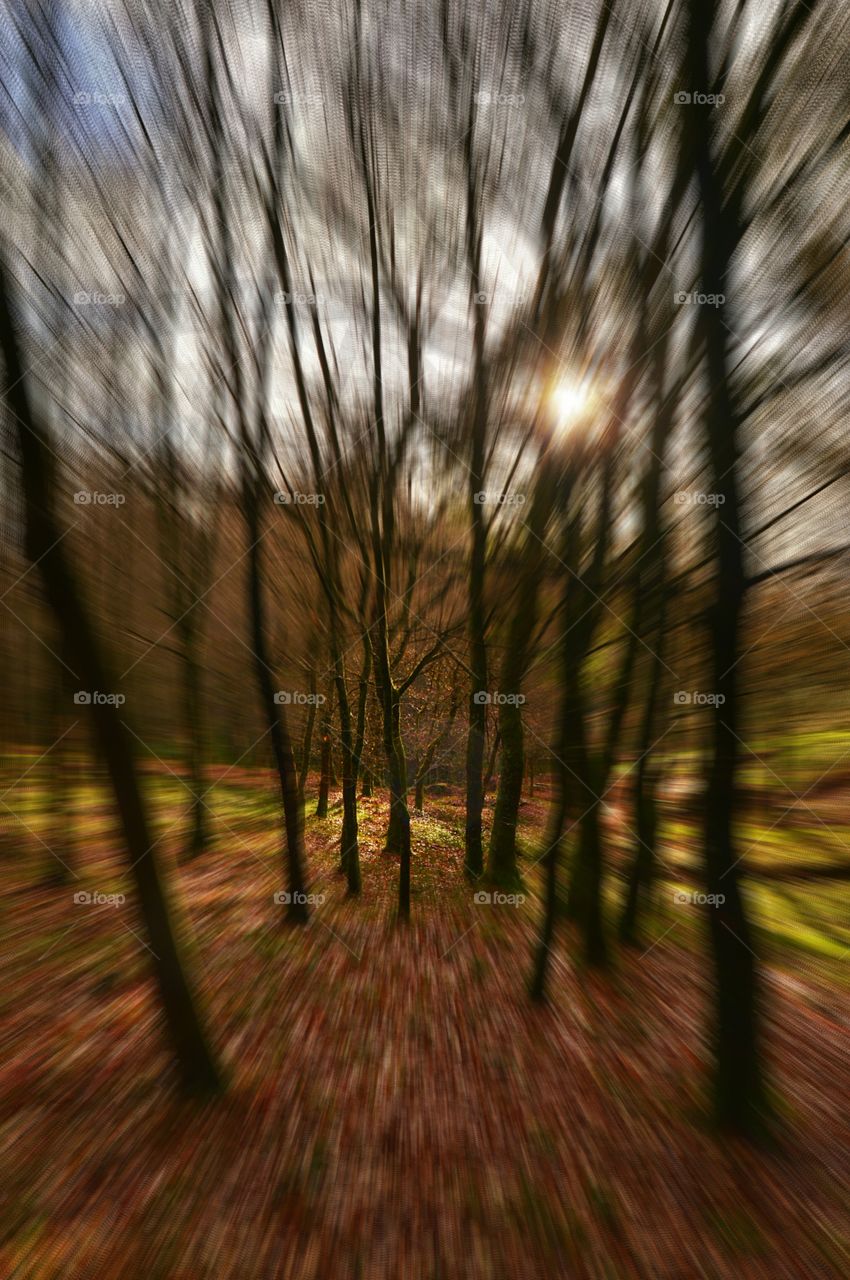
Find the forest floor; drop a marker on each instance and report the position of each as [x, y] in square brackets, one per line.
[397, 1107]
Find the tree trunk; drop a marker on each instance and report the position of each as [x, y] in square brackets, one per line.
[501, 863]
[585, 895]
[197, 839]
[473, 840]
[642, 870]
[307, 743]
[324, 768]
[491, 762]
[738, 1087]
[349, 845]
[197, 1067]
[551, 860]
[296, 894]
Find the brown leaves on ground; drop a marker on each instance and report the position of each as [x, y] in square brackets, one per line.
[397, 1107]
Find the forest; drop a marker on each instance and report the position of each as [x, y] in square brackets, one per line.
[425, 763]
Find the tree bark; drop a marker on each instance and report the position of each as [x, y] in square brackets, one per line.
[738, 1085]
[197, 1067]
[324, 767]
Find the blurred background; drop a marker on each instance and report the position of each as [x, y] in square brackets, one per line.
[423, 586]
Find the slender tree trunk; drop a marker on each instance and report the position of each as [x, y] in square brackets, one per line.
[551, 860]
[349, 845]
[307, 743]
[642, 870]
[585, 895]
[192, 714]
[738, 1086]
[473, 839]
[59, 871]
[491, 761]
[398, 830]
[196, 1064]
[501, 863]
[324, 767]
[294, 860]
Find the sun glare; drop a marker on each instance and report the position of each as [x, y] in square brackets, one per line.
[569, 401]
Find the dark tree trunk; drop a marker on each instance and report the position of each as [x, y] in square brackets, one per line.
[738, 1086]
[584, 902]
[197, 1067]
[307, 743]
[473, 840]
[349, 845]
[501, 862]
[491, 761]
[59, 869]
[192, 714]
[294, 860]
[551, 860]
[642, 870]
[324, 768]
